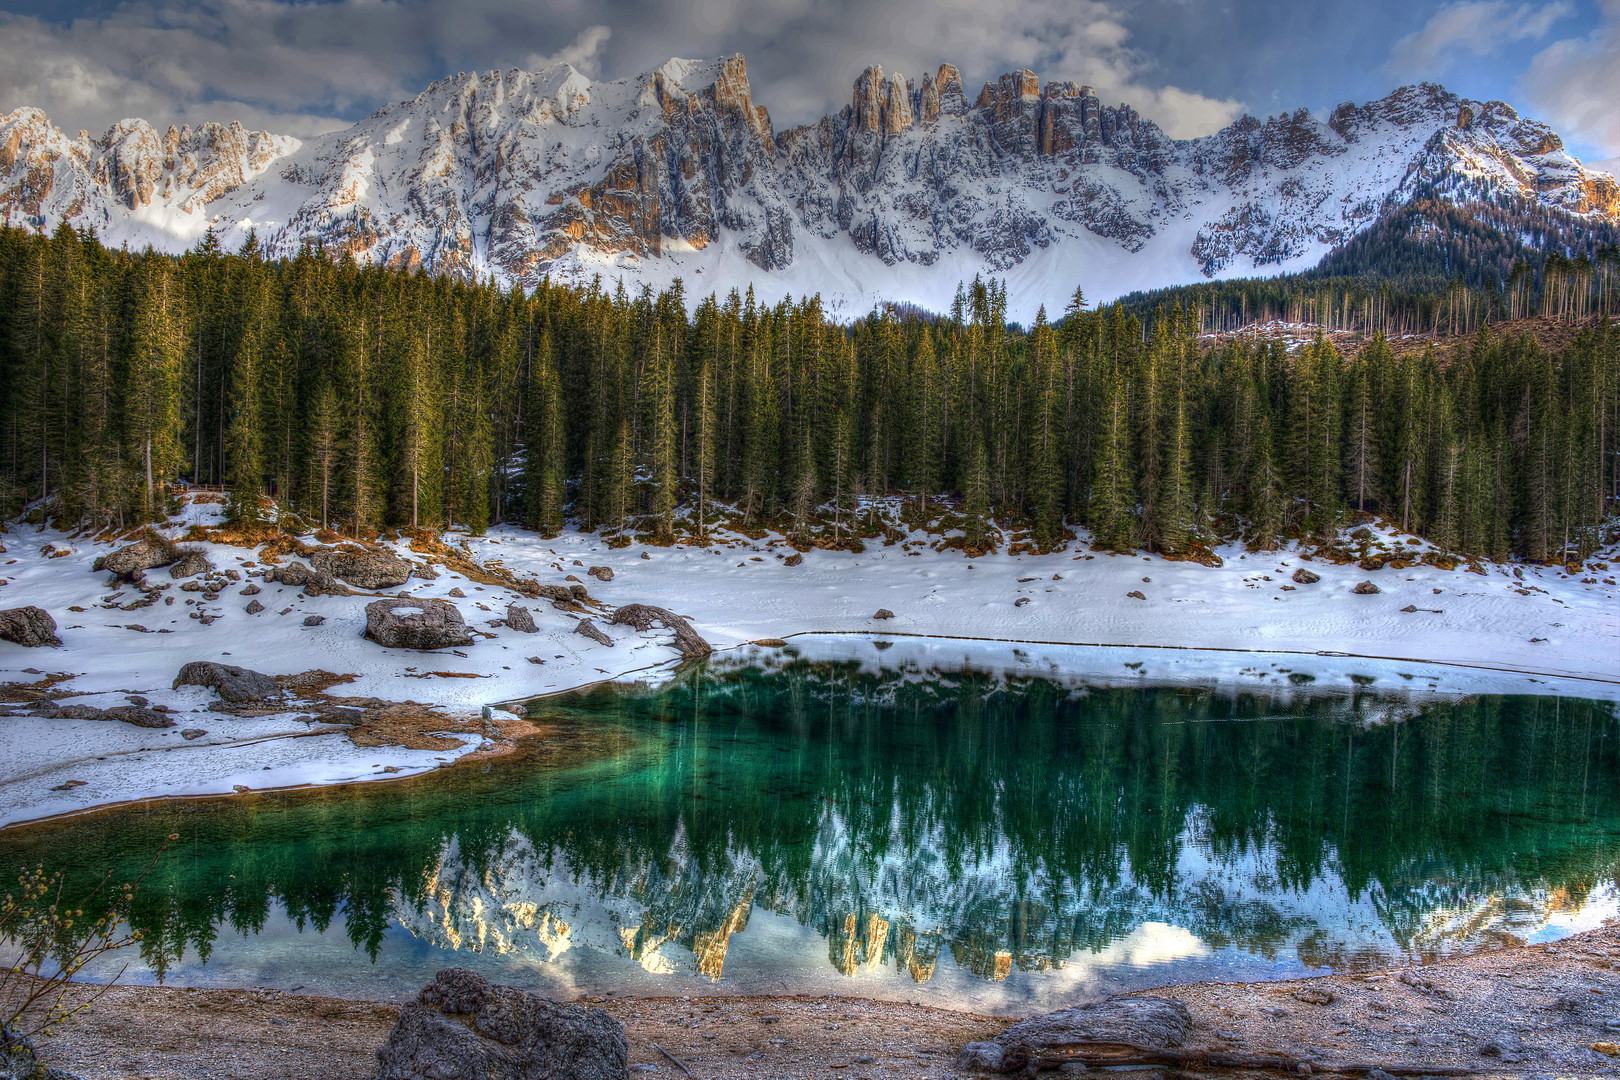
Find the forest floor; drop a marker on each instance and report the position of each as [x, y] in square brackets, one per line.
[1550, 333]
[1525, 1011]
[1094, 616]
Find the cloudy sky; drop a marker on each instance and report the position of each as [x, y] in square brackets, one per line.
[306, 66]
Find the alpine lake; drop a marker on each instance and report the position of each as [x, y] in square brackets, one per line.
[776, 822]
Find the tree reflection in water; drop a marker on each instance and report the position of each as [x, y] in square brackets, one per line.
[905, 814]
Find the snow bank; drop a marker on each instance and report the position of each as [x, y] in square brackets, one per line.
[1519, 630]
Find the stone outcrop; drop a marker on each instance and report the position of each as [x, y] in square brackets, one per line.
[601, 573]
[521, 174]
[645, 617]
[463, 1027]
[314, 582]
[587, 628]
[29, 627]
[519, 618]
[1153, 1022]
[1303, 576]
[139, 715]
[1365, 588]
[416, 623]
[191, 564]
[363, 568]
[237, 685]
[145, 554]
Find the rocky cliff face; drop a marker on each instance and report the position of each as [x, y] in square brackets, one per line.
[910, 188]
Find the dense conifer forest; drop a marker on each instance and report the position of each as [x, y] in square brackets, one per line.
[364, 397]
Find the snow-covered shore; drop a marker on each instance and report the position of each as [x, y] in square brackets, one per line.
[1525, 630]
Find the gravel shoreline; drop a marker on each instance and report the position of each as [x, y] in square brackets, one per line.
[1517, 1011]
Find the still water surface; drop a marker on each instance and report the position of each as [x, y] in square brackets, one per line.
[947, 836]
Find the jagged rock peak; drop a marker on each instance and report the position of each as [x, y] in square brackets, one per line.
[677, 172]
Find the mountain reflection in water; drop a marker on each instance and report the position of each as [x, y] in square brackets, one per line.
[913, 819]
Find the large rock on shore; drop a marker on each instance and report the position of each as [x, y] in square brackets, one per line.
[645, 616]
[364, 569]
[416, 623]
[237, 685]
[462, 1027]
[30, 627]
[1154, 1022]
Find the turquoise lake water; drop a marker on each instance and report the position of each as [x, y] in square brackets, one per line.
[947, 836]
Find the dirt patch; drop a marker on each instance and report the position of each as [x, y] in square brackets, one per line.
[408, 725]
[317, 681]
[24, 693]
[1501, 1013]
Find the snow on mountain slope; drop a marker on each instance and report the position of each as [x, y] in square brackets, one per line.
[903, 193]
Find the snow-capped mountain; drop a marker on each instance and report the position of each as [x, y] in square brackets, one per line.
[910, 189]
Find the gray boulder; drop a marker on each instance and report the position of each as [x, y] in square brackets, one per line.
[601, 573]
[363, 568]
[416, 623]
[520, 619]
[234, 684]
[28, 626]
[586, 628]
[1303, 576]
[17, 1060]
[144, 554]
[191, 564]
[138, 715]
[1154, 1022]
[313, 582]
[464, 1028]
[644, 616]
[1365, 588]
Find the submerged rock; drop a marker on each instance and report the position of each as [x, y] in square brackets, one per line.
[462, 1026]
[237, 685]
[1153, 1022]
[29, 627]
[416, 623]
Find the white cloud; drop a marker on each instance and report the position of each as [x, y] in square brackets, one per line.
[301, 67]
[1575, 85]
[1474, 27]
[583, 54]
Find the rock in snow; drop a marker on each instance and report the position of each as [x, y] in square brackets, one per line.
[364, 569]
[237, 685]
[589, 629]
[462, 1027]
[416, 623]
[645, 616]
[28, 626]
[519, 618]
